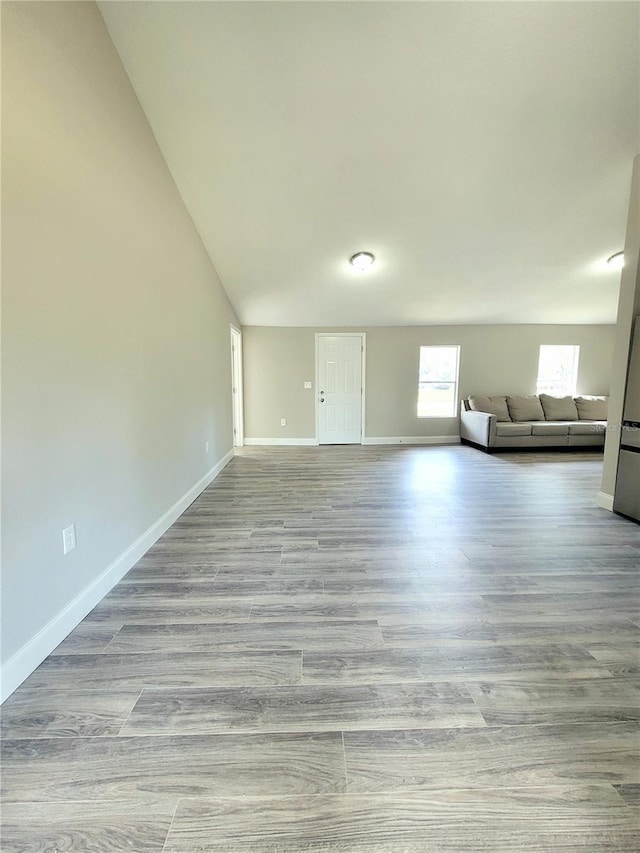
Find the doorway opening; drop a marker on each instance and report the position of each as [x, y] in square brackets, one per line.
[236, 387]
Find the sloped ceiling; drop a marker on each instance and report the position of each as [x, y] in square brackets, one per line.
[482, 151]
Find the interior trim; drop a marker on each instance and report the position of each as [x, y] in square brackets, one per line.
[412, 439]
[605, 501]
[291, 442]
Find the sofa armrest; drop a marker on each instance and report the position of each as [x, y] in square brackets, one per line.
[478, 427]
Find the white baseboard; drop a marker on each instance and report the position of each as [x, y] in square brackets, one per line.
[31, 655]
[291, 442]
[413, 439]
[605, 501]
[393, 439]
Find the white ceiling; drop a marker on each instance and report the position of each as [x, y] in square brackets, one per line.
[482, 151]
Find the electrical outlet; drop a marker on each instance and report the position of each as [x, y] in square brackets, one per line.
[283, 421]
[68, 539]
[308, 386]
[206, 447]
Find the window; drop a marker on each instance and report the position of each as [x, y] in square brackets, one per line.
[558, 370]
[438, 382]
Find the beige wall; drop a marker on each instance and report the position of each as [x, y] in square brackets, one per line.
[494, 360]
[276, 363]
[116, 363]
[628, 308]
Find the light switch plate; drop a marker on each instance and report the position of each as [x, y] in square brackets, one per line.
[308, 386]
[68, 539]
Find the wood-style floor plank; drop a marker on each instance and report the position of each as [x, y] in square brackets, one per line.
[179, 669]
[398, 610]
[302, 708]
[85, 827]
[593, 634]
[72, 712]
[533, 756]
[631, 795]
[588, 700]
[158, 612]
[617, 651]
[219, 589]
[463, 661]
[272, 636]
[161, 769]
[350, 650]
[88, 637]
[506, 820]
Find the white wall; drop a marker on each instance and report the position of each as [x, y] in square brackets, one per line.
[116, 355]
[493, 360]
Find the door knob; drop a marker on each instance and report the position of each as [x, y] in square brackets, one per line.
[322, 399]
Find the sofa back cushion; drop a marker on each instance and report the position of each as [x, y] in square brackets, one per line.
[525, 407]
[558, 408]
[492, 405]
[592, 408]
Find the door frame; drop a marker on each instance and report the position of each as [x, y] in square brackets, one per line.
[237, 396]
[363, 363]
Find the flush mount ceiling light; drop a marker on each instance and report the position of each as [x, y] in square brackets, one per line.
[616, 262]
[361, 260]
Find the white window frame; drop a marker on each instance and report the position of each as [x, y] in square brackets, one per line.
[455, 382]
[543, 382]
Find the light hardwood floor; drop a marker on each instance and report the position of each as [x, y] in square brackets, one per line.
[350, 650]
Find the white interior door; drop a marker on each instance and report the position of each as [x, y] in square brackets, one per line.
[236, 387]
[340, 389]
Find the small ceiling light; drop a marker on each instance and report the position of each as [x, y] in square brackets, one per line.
[361, 260]
[616, 262]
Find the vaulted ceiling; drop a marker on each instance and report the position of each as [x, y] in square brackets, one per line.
[481, 150]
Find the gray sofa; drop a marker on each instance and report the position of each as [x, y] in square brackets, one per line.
[532, 421]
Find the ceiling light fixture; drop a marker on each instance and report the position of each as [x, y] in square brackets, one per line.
[616, 262]
[362, 260]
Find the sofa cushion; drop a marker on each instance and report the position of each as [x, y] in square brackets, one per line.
[492, 405]
[558, 408]
[587, 427]
[510, 429]
[549, 428]
[592, 408]
[525, 408]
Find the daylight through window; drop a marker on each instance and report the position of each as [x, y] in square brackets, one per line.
[558, 370]
[438, 382]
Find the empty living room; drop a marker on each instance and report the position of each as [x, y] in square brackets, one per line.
[320, 426]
